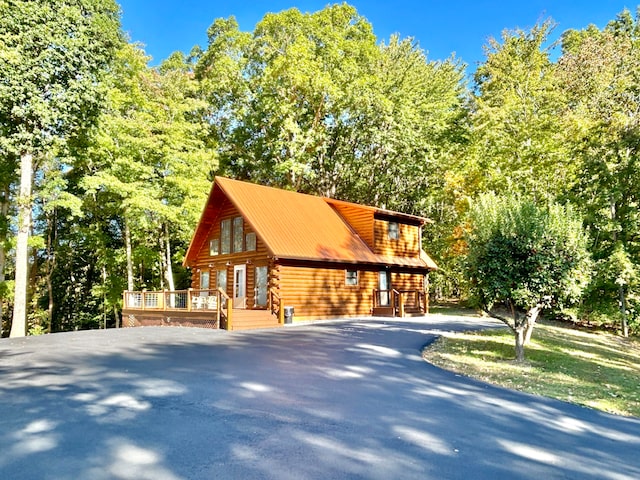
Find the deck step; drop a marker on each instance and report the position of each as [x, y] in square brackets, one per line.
[252, 319]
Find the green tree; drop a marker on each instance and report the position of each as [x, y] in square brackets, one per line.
[526, 258]
[7, 178]
[52, 57]
[149, 170]
[518, 139]
[599, 73]
[311, 102]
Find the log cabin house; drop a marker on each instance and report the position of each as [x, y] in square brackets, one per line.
[261, 256]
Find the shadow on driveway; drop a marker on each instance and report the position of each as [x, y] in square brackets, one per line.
[335, 400]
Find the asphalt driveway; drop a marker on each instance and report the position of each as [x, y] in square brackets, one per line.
[344, 400]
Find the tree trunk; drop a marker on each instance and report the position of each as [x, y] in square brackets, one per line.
[622, 298]
[519, 334]
[51, 264]
[2, 263]
[19, 324]
[4, 210]
[623, 310]
[127, 244]
[168, 272]
[532, 317]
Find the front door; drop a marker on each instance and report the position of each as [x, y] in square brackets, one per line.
[384, 287]
[240, 286]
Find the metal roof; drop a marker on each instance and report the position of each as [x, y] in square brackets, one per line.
[297, 226]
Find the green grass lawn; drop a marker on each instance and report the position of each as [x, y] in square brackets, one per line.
[599, 370]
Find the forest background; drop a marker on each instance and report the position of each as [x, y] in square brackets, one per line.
[106, 161]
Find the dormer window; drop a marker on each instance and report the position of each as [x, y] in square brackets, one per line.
[393, 232]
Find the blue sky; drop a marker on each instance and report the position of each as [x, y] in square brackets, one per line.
[440, 27]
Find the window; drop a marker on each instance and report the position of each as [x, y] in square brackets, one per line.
[394, 231]
[221, 280]
[225, 236]
[250, 242]
[262, 283]
[204, 281]
[238, 235]
[214, 247]
[351, 278]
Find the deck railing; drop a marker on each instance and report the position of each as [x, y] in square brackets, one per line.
[398, 301]
[191, 300]
[275, 305]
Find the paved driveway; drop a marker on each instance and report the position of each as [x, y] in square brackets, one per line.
[344, 400]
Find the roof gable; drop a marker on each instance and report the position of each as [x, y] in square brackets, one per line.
[292, 225]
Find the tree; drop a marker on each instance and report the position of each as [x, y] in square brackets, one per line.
[525, 257]
[518, 140]
[53, 55]
[311, 102]
[148, 166]
[599, 76]
[7, 177]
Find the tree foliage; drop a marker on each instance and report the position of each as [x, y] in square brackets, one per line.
[518, 144]
[120, 154]
[311, 102]
[53, 56]
[600, 78]
[526, 258]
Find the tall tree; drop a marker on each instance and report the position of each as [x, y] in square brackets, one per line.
[7, 178]
[599, 72]
[518, 142]
[311, 102]
[53, 57]
[149, 165]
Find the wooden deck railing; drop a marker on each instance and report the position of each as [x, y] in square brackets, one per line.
[275, 305]
[398, 301]
[191, 300]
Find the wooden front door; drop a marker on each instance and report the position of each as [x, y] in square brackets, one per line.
[240, 286]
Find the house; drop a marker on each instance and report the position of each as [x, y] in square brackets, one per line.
[264, 249]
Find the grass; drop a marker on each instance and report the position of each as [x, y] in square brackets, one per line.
[598, 370]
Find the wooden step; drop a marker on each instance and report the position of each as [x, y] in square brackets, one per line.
[383, 312]
[251, 319]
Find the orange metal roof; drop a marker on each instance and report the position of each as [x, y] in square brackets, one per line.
[296, 226]
[422, 220]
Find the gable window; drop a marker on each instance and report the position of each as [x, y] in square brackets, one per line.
[250, 242]
[225, 236]
[214, 247]
[351, 278]
[394, 231]
[238, 235]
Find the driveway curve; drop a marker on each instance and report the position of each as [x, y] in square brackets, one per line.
[336, 400]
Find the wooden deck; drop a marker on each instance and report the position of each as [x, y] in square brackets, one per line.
[195, 308]
[241, 319]
[211, 309]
